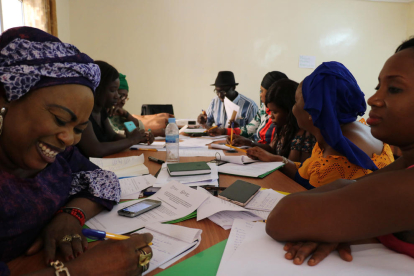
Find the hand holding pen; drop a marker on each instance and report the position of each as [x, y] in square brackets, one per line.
[202, 118]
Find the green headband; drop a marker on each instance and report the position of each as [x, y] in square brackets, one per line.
[123, 82]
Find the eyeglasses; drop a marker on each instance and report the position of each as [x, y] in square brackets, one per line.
[124, 98]
[220, 92]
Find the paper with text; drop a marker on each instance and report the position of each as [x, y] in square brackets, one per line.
[178, 200]
[191, 152]
[164, 177]
[123, 166]
[265, 200]
[131, 187]
[225, 219]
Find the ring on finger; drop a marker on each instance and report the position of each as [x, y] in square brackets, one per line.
[144, 257]
[66, 238]
[77, 236]
[145, 268]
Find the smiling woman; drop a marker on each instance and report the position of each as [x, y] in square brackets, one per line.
[47, 188]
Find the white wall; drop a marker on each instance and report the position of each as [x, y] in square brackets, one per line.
[171, 50]
[63, 17]
[410, 24]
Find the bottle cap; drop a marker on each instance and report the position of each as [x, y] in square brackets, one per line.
[171, 120]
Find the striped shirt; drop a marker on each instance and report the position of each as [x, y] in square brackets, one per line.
[217, 114]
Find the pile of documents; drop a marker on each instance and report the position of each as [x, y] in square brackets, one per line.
[124, 166]
[191, 180]
[223, 212]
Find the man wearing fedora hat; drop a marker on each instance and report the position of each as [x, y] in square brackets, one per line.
[225, 86]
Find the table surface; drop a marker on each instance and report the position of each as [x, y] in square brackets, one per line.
[212, 233]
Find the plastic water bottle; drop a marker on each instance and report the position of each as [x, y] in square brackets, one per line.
[171, 140]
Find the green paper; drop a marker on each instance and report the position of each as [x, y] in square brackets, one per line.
[205, 263]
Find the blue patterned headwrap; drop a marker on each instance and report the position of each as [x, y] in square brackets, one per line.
[32, 59]
[332, 97]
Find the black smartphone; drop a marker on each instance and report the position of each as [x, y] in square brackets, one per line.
[139, 208]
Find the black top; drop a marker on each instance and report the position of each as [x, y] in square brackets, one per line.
[101, 134]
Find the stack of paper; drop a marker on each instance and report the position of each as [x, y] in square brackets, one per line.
[224, 212]
[191, 180]
[241, 159]
[131, 187]
[260, 169]
[124, 166]
[159, 146]
[247, 237]
[170, 243]
[224, 147]
[178, 201]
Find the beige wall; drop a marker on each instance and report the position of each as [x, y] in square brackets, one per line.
[63, 14]
[171, 50]
[410, 24]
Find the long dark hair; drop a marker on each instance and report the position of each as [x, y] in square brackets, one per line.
[108, 75]
[282, 94]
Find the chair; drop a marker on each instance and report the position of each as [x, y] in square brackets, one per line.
[150, 109]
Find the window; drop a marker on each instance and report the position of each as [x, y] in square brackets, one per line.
[11, 14]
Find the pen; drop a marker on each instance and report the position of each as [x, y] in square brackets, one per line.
[218, 125]
[236, 148]
[215, 188]
[153, 159]
[232, 126]
[147, 149]
[100, 235]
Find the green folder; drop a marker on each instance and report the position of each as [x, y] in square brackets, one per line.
[205, 263]
[187, 168]
[260, 176]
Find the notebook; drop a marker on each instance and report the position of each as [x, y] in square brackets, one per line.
[189, 168]
[240, 192]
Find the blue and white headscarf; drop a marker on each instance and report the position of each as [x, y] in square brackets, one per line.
[332, 97]
[32, 59]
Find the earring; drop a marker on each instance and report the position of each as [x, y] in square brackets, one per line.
[2, 113]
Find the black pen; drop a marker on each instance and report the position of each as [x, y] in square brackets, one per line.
[159, 161]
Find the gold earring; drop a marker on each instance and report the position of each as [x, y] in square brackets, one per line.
[2, 113]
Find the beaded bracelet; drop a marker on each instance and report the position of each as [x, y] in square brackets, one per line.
[74, 211]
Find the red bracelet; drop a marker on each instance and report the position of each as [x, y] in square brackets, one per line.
[74, 211]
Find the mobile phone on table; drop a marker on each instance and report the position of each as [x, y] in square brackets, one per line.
[130, 126]
[139, 208]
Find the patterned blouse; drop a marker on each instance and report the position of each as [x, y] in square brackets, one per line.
[317, 170]
[28, 204]
[261, 128]
[303, 143]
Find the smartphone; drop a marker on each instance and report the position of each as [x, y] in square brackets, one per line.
[130, 126]
[139, 208]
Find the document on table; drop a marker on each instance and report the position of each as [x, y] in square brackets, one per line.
[131, 187]
[224, 147]
[229, 106]
[178, 200]
[241, 160]
[264, 200]
[170, 243]
[191, 152]
[247, 237]
[225, 219]
[194, 143]
[195, 130]
[251, 170]
[164, 177]
[158, 145]
[123, 166]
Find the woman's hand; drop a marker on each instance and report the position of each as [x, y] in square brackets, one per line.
[112, 257]
[300, 251]
[217, 131]
[52, 236]
[262, 155]
[239, 141]
[149, 138]
[136, 136]
[235, 125]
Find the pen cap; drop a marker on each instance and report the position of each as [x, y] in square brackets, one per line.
[94, 234]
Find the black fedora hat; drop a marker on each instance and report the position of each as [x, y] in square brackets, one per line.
[225, 78]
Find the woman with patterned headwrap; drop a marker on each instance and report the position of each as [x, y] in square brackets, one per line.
[327, 105]
[47, 188]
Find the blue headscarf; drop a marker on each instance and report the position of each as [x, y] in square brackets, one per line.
[332, 97]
